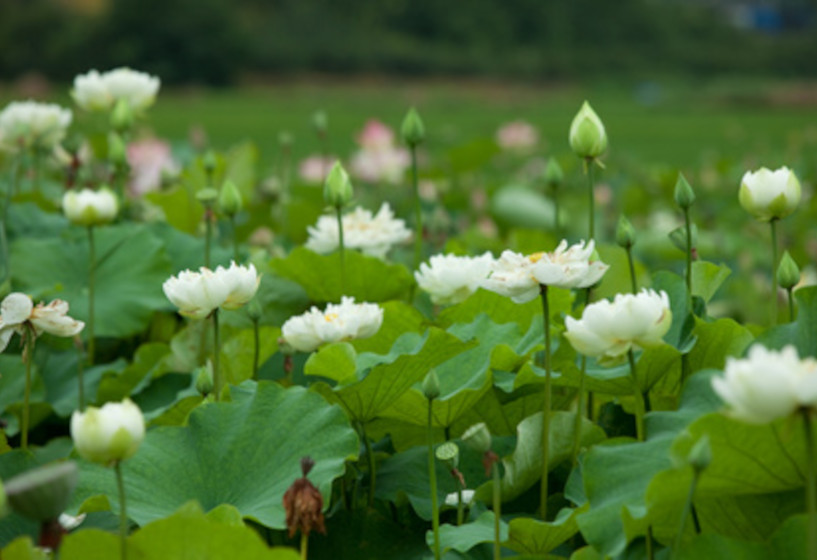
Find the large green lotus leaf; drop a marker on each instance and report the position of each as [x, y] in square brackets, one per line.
[237, 352]
[531, 536]
[23, 549]
[131, 267]
[707, 277]
[802, 333]
[245, 453]
[185, 250]
[502, 412]
[466, 377]
[180, 208]
[367, 278]
[716, 342]
[382, 379]
[682, 320]
[464, 537]
[59, 374]
[27, 219]
[523, 468]
[148, 363]
[185, 534]
[790, 541]
[398, 319]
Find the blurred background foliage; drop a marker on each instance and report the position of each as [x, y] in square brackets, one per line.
[218, 42]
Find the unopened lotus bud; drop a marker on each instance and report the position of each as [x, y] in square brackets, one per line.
[122, 116]
[285, 140]
[90, 208]
[43, 493]
[788, 273]
[337, 189]
[769, 195]
[625, 233]
[700, 456]
[207, 197]
[209, 162]
[431, 385]
[108, 434]
[448, 453]
[303, 504]
[412, 130]
[684, 195]
[554, 176]
[204, 379]
[254, 310]
[678, 236]
[588, 138]
[478, 438]
[229, 200]
[117, 153]
[320, 121]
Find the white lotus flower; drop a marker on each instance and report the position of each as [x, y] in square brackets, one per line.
[453, 499]
[90, 208]
[608, 330]
[345, 321]
[27, 124]
[450, 279]
[768, 384]
[520, 277]
[197, 294]
[109, 434]
[769, 195]
[17, 309]
[100, 92]
[372, 235]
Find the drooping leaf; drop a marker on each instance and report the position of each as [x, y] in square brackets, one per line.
[537, 538]
[707, 277]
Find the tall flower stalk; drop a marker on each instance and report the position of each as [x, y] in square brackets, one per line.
[413, 133]
[699, 458]
[640, 406]
[91, 293]
[685, 198]
[431, 390]
[546, 406]
[230, 203]
[811, 483]
[588, 140]
[788, 276]
[337, 192]
[625, 238]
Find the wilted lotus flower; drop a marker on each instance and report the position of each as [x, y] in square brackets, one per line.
[769, 195]
[520, 277]
[28, 124]
[100, 92]
[450, 279]
[149, 161]
[517, 135]
[17, 309]
[197, 294]
[313, 169]
[109, 434]
[608, 330]
[303, 504]
[768, 384]
[345, 321]
[90, 208]
[372, 235]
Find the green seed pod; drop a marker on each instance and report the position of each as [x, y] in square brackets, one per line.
[448, 453]
[412, 130]
[337, 189]
[554, 176]
[42, 494]
[229, 200]
[431, 385]
[207, 197]
[684, 195]
[788, 273]
[625, 233]
[478, 438]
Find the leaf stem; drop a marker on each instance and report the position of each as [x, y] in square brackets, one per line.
[633, 281]
[688, 227]
[432, 478]
[123, 511]
[591, 199]
[773, 226]
[418, 210]
[372, 463]
[216, 356]
[497, 509]
[688, 505]
[91, 298]
[342, 250]
[546, 405]
[639, 398]
[811, 484]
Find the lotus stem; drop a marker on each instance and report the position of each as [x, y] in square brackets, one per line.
[633, 281]
[236, 256]
[91, 286]
[497, 510]
[546, 405]
[304, 545]
[342, 250]
[811, 485]
[591, 199]
[372, 464]
[216, 356]
[577, 426]
[688, 510]
[28, 356]
[791, 303]
[208, 234]
[123, 510]
[256, 349]
[460, 506]
[688, 227]
[418, 210]
[773, 227]
[432, 478]
[639, 399]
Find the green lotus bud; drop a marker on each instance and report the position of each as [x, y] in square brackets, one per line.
[478, 438]
[209, 161]
[207, 197]
[320, 121]
[625, 233]
[431, 385]
[229, 199]
[122, 116]
[448, 453]
[700, 456]
[684, 195]
[337, 189]
[43, 493]
[204, 379]
[678, 236]
[412, 130]
[117, 153]
[554, 176]
[587, 136]
[769, 195]
[788, 273]
[90, 208]
[285, 139]
[254, 310]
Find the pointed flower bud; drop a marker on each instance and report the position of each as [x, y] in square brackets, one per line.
[678, 237]
[412, 130]
[209, 161]
[229, 199]
[254, 311]
[204, 379]
[431, 385]
[337, 189]
[478, 438]
[117, 153]
[303, 504]
[625, 233]
[769, 195]
[700, 456]
[554, 176]
[42, 494]
[684, 195]
[448, 453]
[122, 116]
[320, 121]
[588, 138]
[285, 139]
[788, 273]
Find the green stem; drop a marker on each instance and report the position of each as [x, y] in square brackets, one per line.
[591, 199]
[342, 249]
[208, 234]
[216, 356]
[688, 228]
[4, 249]
[773, 226]
[432, 477]
[91, 283]
[372, 464]
[811, 485]
[123, 512]
[633, 281]
[28, 356]
[460, 506]
[256, 349]
[556, 226]
[546, 405]
[497, 510]
[236, 257]
[648, 542]
[676, 549]
[639, 399]
[418, 211]
[577, 426]
[791, 304]
[80, 372]
[304, 545]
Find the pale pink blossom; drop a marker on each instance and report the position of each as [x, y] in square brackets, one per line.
[149, 159]
[375, 136]
[314, 168]
[517, 135]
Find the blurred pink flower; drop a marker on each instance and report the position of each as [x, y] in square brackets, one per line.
[375, 136]
[314, 168]
[149, 159]
[382, 165]
[517, 135]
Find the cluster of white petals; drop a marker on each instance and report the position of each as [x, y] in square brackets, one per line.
[109, 434]
[29, 124]
[100, 92]
[519, 277]
[372, 235]
[17, 309]
[449, 279]
[769, 195]
[90, 208]
[345, 321]
[197, 294]
[767, 384]
[610, 329]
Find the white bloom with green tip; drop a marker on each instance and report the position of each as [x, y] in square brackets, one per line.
[29, 124]
[197, 294]
[109, 434]
[90, 208]
[345, 321]
[769, 195]
[449, 279]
